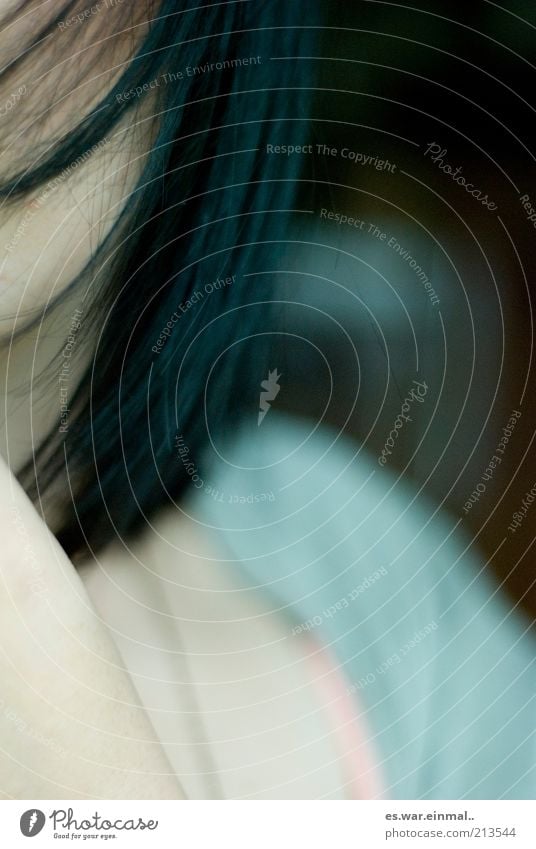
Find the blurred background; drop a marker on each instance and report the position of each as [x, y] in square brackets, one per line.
[451, 306]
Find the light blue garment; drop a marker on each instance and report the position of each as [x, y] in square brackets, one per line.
[444, 667]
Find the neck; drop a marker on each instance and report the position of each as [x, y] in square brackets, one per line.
[36, 379]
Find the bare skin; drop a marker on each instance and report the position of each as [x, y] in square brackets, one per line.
[66, 702]
[62, 681]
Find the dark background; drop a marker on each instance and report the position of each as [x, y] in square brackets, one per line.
[390, 80]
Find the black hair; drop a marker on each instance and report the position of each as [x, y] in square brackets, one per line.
[207, 208]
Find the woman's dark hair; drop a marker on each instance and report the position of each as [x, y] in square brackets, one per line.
[170, 364]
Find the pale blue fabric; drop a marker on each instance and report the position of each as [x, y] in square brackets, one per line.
[454, 716]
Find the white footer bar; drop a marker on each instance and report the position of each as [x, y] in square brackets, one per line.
[270, 825]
